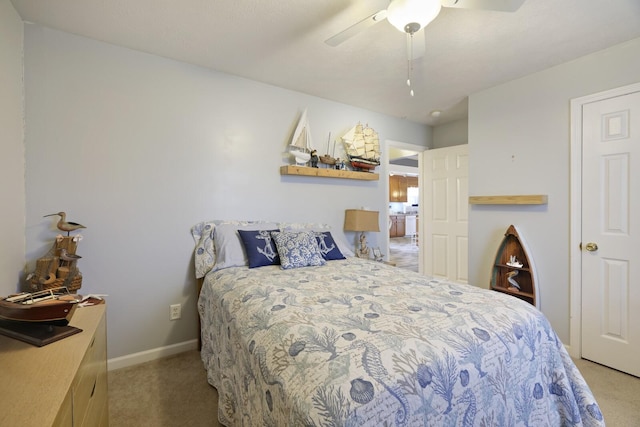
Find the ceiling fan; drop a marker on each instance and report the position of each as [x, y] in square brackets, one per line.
[411, 16]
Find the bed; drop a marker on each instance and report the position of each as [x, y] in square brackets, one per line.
[353, 342]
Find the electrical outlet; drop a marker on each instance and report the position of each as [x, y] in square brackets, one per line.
[175, 311]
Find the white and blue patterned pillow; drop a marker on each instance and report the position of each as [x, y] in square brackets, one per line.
[328, 247]
[344, 247]
[297, 249]
[207, 251]
[301, 226]
[204, 253]
[259, 247]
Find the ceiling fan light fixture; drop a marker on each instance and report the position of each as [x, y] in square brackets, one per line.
[410, 16]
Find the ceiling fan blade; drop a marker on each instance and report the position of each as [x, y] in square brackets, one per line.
[356, 28]
[417, 46]
[500, 5]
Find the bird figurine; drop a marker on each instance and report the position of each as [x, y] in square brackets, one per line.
[65, 225]
[65, 256]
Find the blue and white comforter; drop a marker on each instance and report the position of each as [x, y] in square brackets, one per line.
[360, 343]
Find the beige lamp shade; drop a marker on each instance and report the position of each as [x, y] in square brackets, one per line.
[360, 220]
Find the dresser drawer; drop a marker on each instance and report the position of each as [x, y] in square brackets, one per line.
[91, 384]
[65, 415]
[95, 414]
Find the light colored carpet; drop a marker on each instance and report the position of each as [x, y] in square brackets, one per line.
[174, 392]
[617, 393]
[171, 392]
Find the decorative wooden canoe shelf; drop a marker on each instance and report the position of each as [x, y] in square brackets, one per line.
[525, 276]
[533, 199]
[328, 173]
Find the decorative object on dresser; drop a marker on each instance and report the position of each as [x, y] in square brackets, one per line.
[513, 260]
[361, 220]
[38, 318]
[52, 306]
[62, 384]
[64, 225]
[58, 267]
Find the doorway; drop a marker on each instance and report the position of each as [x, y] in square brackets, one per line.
[403, 169]
[605, 322]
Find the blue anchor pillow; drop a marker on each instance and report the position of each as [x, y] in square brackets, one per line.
[259, 247]
[328, 247]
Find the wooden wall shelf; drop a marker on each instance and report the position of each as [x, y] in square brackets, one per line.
[328, 173]
[532, 199]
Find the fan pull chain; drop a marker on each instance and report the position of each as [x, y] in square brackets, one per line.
[410, 64]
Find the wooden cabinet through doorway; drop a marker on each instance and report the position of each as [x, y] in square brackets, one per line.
[397, 228]
[397, 188]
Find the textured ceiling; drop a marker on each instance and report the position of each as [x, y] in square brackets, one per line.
[281, 42]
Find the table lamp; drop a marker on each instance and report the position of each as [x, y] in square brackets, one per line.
[362, 221]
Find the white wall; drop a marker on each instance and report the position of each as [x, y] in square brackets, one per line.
[139, 148]
[519, 143]
[451, 134]
[12, 169]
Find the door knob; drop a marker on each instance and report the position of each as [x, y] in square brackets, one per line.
[591, 247]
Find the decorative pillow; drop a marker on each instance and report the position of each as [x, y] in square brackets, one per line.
[204, 252]
[259, 247]
[229, 250]
[300, 226]
[328, 247]
[344, 247]
[297, 249]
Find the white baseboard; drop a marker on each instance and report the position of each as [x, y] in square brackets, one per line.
[572, 352]
[148, 355]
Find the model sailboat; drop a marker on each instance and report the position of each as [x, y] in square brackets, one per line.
[300, 146]
[362, 146]
[327, 159]
[52, 306]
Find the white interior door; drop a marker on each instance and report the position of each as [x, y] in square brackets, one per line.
[611, 232]
[446, 213]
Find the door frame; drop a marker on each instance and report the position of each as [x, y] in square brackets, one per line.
[575, 256]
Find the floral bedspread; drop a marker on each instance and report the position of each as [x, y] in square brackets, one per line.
[360, 343]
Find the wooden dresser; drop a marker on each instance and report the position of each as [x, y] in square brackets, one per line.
[61, 384]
